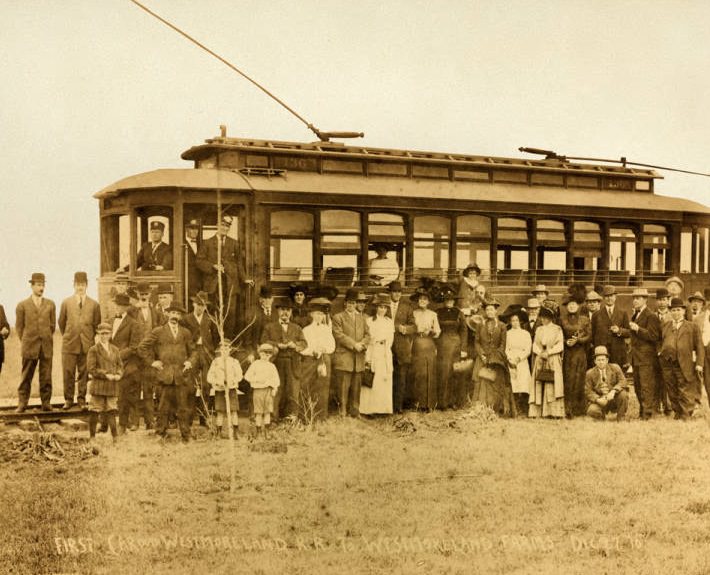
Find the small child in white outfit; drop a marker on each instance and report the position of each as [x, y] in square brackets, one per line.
[221, 380]
[264, 380]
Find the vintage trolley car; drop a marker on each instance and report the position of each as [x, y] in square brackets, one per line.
[312, 212]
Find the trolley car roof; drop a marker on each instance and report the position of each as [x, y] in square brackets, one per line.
[296, 183]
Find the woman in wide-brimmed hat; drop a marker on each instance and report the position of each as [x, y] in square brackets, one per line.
[518, 346]
[378, 359]
[424, 351]
[468, 296]
[491, 378]
[547, 392]
[577, 330]
[451, 347]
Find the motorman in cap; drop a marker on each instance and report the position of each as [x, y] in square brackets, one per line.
[35, 322]
[155, 254]
[605, 387]
[79, 316]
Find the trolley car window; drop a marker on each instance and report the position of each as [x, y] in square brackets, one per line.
[115, 242]
[552, 245]
[513, 244]
[291, 246]
[586, 245]
[656, 249]
[622, 249]
[431, 245]
[473, 241]
[340, 245]
[385, 232]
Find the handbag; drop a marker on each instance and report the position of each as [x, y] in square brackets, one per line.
[545, 375]
[486, 373]
[367, 377]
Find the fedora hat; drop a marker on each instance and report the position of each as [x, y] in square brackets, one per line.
[697, 296]
[202, 298]
[601, 350]
[640, 292]
[283, 303]
[540, 288]
[662, 292]
[593, 296]
[608, 290]
[175, 307]
[37, 277]
[142, 288]
[265, 291]
[533, 303]
[81, 278]
[351, 294]
[394, 286]
[164, 289]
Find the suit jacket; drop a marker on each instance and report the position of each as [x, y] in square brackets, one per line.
[100, 363]
[146, 326]
[78, 326]
[644, 342]
[127, 339]
[594, 388]
[274, 334]
[35, 327]
[681, 344]
[347, 331]
[402, 344]
[256, 330]
[601, 334]
[233, 266]
[148, 259]
[194, 275]
[3, 324]
[204, 332]
[160, 344]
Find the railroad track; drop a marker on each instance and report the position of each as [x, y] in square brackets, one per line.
[35, 412]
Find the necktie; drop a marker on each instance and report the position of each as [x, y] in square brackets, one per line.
[81, 302]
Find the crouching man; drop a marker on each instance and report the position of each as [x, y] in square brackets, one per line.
[605, 387]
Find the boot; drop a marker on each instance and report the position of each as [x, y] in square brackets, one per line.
[93, 422]
[104, 425]
[266, 433]
[218, 432]
[112, 425]
[235, 432]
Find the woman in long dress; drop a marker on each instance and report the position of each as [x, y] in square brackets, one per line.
[467, 288]
[547, 397]
[424, 352]
[518, 346]
[315, 362]
[577, 330]
[378, 357]
[491, 378]
[451, 347]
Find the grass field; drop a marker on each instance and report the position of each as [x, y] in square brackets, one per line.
[451, 492]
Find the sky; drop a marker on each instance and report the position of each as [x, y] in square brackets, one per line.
[97, 90]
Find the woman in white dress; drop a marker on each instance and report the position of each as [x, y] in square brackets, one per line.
[518, 346]
[315, 361]
[547, 398]
[378, 358]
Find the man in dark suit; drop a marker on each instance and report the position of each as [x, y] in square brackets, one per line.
[165, 298]
[679, 364]
[351, 338]
[610, 327]
[287, 338]
[264, 313]
[79, 316]
[192, 247]
[4, 333]
[663, 312]
[593, 302]
[404, 328]
[206, 337]
[36, 320]
[126, 335]
[155, 254]
[231, 268]
[645, 330]
[605, 387]
[170, 351]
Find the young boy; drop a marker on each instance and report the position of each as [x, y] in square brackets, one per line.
[221, 379]
[105, 368]
[264, 380]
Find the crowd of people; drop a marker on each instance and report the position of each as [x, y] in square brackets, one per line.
[443, 347]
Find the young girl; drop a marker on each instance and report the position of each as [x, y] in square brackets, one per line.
[105, 368]
[221, 379]
[264, 381]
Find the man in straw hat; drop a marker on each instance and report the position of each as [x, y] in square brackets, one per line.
[682, 360]
[35, 322]
[645, 330]
[605, 387]
[351, 338]
[79, 315]
[170, 351]
[610, 326]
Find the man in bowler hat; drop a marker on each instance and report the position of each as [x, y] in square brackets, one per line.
[36, 320]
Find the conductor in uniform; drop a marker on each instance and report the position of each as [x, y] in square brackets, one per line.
[36, 320]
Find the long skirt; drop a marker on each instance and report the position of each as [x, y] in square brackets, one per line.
[315, 388]
[496, 394]
[574, 367]
[549, 405]
[448, 352]
[424, 372]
